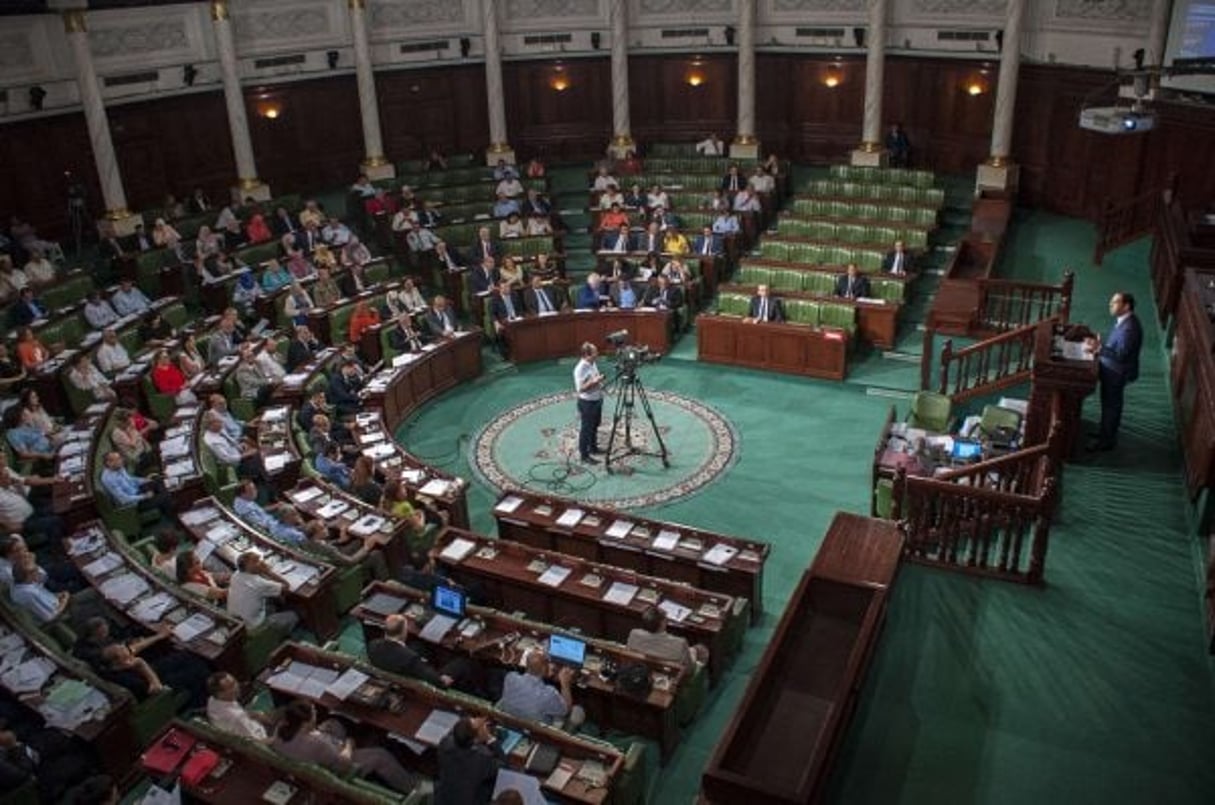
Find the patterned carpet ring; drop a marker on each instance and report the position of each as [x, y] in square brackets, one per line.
[535, 446]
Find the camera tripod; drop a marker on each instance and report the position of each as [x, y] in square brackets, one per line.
[629, 390]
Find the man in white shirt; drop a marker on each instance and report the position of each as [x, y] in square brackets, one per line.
[128, 299]
[98, 312]
[229, 450]
[39, 270]
[711, 146]
[335, 233]
[746, 201]
[604, 180]
[761, 181]
[226, 713]
[588, 385]
[251, 586]
[653, 640]
[510, 187]
[268, 361]
[112, 356]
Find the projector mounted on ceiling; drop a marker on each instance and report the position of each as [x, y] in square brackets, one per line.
[1117, 120]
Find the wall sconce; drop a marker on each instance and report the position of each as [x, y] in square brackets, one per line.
[270, 110]
[833, 77]
[37, 97]
[976, 85]
[696, 75]
[560, 82]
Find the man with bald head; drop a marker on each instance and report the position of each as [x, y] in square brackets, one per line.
[393, 654]
[526, 694]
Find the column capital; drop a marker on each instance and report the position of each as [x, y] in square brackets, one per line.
[74, 22]
[219, 10]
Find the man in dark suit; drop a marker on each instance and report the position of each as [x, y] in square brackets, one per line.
[664, 296]
[852, 285]
[403, 337]
[897, 260]
[618, 241]
[591, 296]
[708, 244]
[733, 181]
[537, 298]
[447, 257]
[27, 309]
[282, 223]
[1118, 365]
[392, 654]
[764, 307]
[440, 320]
[484, 247]
[504, 306]
[469, 761]
[308, 238]
[301, 349]
[484, 278]
[198, 201]
[343, 390]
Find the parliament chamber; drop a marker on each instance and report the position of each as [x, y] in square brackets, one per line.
[901, 435]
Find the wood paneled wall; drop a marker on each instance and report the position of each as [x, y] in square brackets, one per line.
[316, 140]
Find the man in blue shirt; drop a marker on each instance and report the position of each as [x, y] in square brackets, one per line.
[247, 508]
[29, 593]
[27, 440]
[126, 489]
[232, 426]
[527, 695]
[725, 224]
[590, 295]
[624, 296]
[329, 465]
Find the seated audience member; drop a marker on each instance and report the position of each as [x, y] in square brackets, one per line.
[217, 406]
[381, 204]
[299, 737]
[392, 653]
[257, 230]
[38, 270]
[85, 376]
[525, 694]
[154, 328]
[297, 304]
[125, 489]
[505, 170]
[208, 243]
[708, 244]
[128, 663]
[343, 390]
[33, 519]
[534, 169]
[544, 268]
[130, 442]
[510, 187]
[112, 356]
[59, 764]
[31, 403]
[355, 280]
[538, 225]
[28, 308]
[733, 182]
[12, 373]
[711, 146]
[12, 280]
[653, 640]
[852, 285]
[510, 272]
[674, 242]
[618, 242]
[746, 201]
[190, 359]
[170, 379]
[251, 586]
[28, 441]
[224, 341]
[227, 714]
[165, 236]
[193, 577]
[329, 465]
[590, 294]
[325, 290]
[651, 240]
[128, 299]
[248, 509]
[420, 572]
[251, 379]
[363, 484]
[403, 337]
[298, 266]
[362, 186]
[245, 293]
[98, 312]
[29, 592]
[311, 214]
[302, 349]
[355, 253]
[657, 197]
[198, 201]
[765, 308]
[238, 453]
[469, 762]
[661, 294]
[760, 181]
[620, 269]
[31, 352]
[665, 219]
[635, 198]
[603, 180]
[274, 277]
[440, 320]
[897, 261]
[484, 277]
[282, 224]
[362, 319]
[511, 226]
[611, 197]
[335, 233]
[269, 361]
[411, 297]
[166, 547]
[725, 224]
[537, 299]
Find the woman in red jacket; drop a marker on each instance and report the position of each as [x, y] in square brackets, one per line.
[169, 379]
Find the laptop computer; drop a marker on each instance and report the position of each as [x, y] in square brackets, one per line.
[448, 604]
[567, 650]
[966, 450]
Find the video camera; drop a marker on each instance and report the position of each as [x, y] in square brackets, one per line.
[629, 356]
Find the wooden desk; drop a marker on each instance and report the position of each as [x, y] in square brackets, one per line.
[295, 385]
[389, 704]
[447, 492]
[1058, 387]
[73, 494]
[504, 639]
[312, 495]
[509, 573]
[876, 322]
[212, 522]
[778, 747]
[319, 318]
[789, 348]
[397, 392]
[103, 560]
[532, 519]
[561, 335]
[278, 450]
[183, 473]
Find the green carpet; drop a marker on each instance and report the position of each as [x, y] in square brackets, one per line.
[1094, 689]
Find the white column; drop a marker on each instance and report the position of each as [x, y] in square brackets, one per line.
[871, 151]
[499, 149]
[117, 217]
[1162, 10]
[999, 172]
[622, 137]
[744, 145]
[247, 183]
[375, 165]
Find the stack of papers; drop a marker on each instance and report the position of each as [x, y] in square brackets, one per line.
[570, 518]
[554, 576]
[620, 593]
[29, 676]
[193, 626]
[458, 550]
[332, 509]
[305, 495]
[435, 488]
[71, 703]
[436, 726]
[720, 554]
[199, 516]
[152, 608]
[306, 680]
[178, 446]
[509, 504]
[299, 575]
[619, 529]
[275, 462]
[103, 564]
[123, 589]
[85, 543]
[675, 611]
[347, 683]
[666, 541]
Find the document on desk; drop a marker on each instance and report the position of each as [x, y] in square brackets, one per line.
[665, 541]
[570, 518]
[123, 589]
[381, 450]
[177, 446]
[619, 529]
[414, 477]
[436, 726]
[554, 576]
[675, 611]
[509, 505]
[720, 554]
[299, 575]
[347, 683]
[193, 626]
[72, 702]
[305, 495]
[85, 544]
[435, 488]
[317, 682]
[458, 550]
[103, 564]
[152, 608]
[275, 462]
[29, 676]
[332, 509]
[621, 593]
[199, 516]
[367, 525]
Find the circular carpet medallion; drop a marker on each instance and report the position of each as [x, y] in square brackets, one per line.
[535, 446]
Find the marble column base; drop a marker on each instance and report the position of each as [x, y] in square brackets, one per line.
[878, 158]
[622, 148]
[500, 151]
[257, 190]
[1003, 177]
[382, 170]
[747, 150]
[119, 224]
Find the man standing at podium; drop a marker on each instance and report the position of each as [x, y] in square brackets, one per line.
[1118, 365]
[588, 384]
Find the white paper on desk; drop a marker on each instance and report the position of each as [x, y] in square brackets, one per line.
[1076, 351]
[103, 564]
[274, 414]
[332, 509]
[619, 529]
[675, 611]
[367, 525]
[404, 359]
[413, 476]
[381, 450]
[720, 554]
[347, 683]
[368, 438]
[222, 533]
[305, 495]
[525, 784]
[153, 608]
[620, 593]
[203, 550]
[78, 546]
[72, 464]
[436, 726]
[295, 379]
[570, 518]
[665, 541]
[286, 681]
[74, 447]
[123, 589]
[193, 626]
[275, 462]
[458, 550]
[180, 468]
[509, 504]
[29, 676]
[172, 448]
[554, 576]
[298, 576]
[199, 516]
[435, 488]
[155, 795]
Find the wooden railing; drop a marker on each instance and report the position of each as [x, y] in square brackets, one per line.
[1023, 472]
[988, 366]
[975, 529]
[1122, 222]
[1007, 304]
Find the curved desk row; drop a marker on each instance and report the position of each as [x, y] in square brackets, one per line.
[789, 348]
[561, 335]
